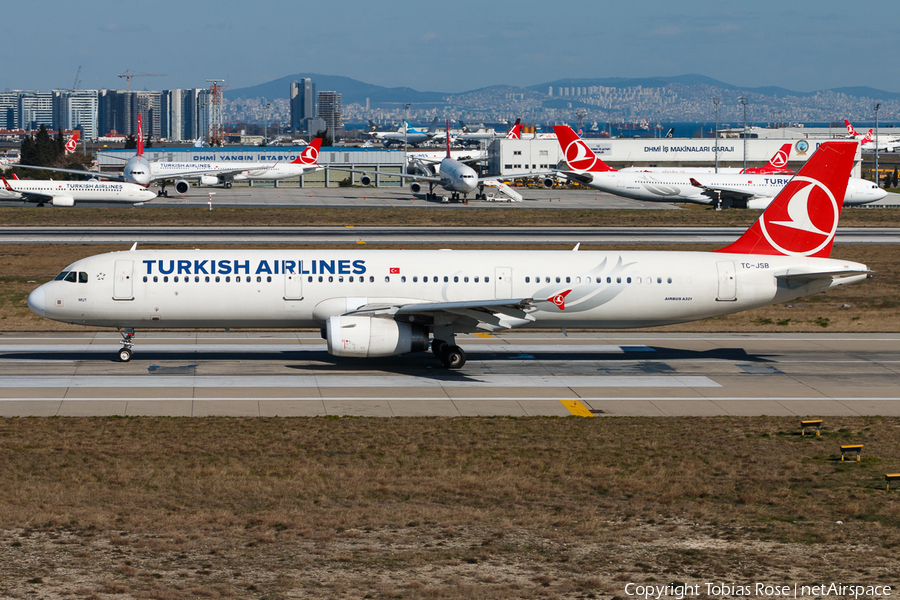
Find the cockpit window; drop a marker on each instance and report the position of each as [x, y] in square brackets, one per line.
[61, 276]
[71, 276]
[82, 277]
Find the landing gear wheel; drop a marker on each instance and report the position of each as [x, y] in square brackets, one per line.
[439, 348]
[125, 354]
[228, 185]
[454, 357]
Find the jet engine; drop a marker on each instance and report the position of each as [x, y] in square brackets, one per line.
[63, 201]
[365, 180]
[362, 337]
[181, 186]
[209, 180]
[415, 187]
[547, 182]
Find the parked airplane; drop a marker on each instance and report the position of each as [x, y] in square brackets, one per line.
[378, 303]
[737, 190]
[887, 143]
[411, 137]
[143, 172]
[452, 175]
[67, 193]
[777, 165]
[486, 135]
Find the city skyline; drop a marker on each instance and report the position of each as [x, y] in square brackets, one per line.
[802, 46]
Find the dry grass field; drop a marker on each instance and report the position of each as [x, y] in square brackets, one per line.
[439, 508]
[470, 216]
[871, 306]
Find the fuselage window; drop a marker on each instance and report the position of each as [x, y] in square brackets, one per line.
[372, 279]
[71, 276]
[165, 279]
[446, 279]
[528, 280]
[415, 278]
[659, 280]
[155, 279]
[331, 279]
[268, 279]
[228, 279]
[145, 279]
[546, 280]
[207, 278]
[175, 279]
[669, 280]
[455, 279]
[487, 279]
[638, 280]
[387, 279]
[82, 277]
[557, 280]
[320, 279]
[599, 280]
[403, 279]
[309, 279]
[476, 280]
[258, 279]
[578, 280]
[236, 279]
[218, 279]
[351, 279]
[618, 280]
[568, 280]
[628, 280]
[466, 279]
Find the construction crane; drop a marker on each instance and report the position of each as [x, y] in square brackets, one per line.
[77, 80]
[128, 75]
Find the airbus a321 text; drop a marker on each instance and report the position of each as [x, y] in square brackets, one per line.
[379, 303]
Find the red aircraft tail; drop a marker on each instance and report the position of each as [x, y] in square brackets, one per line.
[310, 154]
[516, 132]
[579, 156]
[73, 141]
[803, 217]
[776, 165]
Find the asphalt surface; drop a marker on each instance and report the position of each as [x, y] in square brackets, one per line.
[517, 373]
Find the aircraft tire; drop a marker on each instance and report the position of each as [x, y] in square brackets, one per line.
[454, 358]
[439, 348]
[125, 354]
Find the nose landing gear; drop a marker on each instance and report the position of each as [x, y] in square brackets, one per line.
[126, 351]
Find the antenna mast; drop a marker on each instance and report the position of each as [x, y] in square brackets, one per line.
[216, 131]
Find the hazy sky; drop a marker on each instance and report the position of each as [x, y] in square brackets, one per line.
[449, 46]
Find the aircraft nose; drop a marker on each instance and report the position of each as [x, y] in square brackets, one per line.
[36, 301]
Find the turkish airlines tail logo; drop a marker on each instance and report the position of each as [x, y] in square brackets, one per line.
[516, 132]
[73, 141]
[850, 129]
[579, 156]
[310, 154]
[776, 164]
[560, 299]
[803, 217]
[868, 138]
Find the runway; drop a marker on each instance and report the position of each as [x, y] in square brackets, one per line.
[408, 235]
[513, 374]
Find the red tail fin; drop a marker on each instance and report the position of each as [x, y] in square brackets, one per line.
[6, 183]
[140, 136]
[73, 141]
[777, 164]
[867, 138]
[516, 132]
[803, 217]
[310, 154]
[850, 129]
[579, 156]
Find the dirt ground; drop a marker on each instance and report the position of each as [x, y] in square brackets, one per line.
[440, 508]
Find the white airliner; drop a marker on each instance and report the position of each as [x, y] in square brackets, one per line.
[737, 190]
[67, 193]
[405, 134]
[377, 303]
[452, 175]
[143, 172]
[777, 165]
[487, 135]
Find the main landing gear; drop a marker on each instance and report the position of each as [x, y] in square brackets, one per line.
[450, 355]
[126, 351]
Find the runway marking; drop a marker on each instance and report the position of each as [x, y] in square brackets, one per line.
[361, 381]
[577, 408]
[453, 399]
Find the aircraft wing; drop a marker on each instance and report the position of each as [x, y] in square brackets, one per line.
[517, 176]
[582, 178]
[95, 174]
[486, 315]
[390, 174]
[718, 191]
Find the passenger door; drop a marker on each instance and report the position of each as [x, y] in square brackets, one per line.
[123, 285]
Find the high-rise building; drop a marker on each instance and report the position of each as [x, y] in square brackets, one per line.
[35, 109]
[149, 106]
[303, 104]
[329, 108]
[9, 110]
[77, 109]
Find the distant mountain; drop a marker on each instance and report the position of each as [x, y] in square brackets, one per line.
[352, 90]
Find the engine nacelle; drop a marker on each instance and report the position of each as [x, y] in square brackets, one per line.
[547, 182]
[181, 186]
[63, 201]
[364, 337]
[209, 180]
[365, 180]
[415, 187]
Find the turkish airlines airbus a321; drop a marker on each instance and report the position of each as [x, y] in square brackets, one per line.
[376, 303]
[738, 190]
